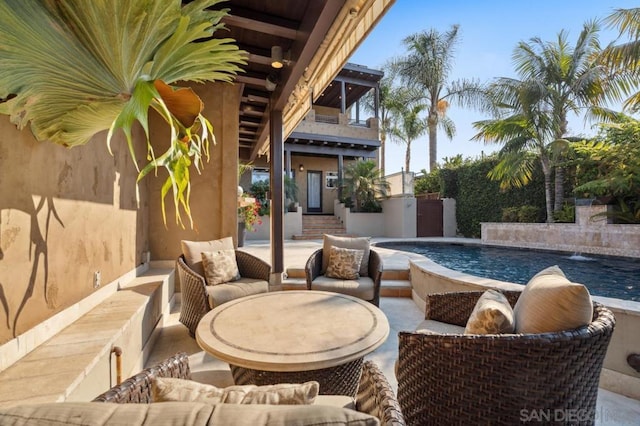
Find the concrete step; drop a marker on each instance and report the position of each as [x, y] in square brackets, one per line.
[394, 283]
[395, 288]
[395, 274]
[387, 274]
[294, 284]
[322, 226]
[296, 273]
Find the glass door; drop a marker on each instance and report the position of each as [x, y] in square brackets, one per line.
[314, 192]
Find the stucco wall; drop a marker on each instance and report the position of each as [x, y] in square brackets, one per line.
[64, 214]
[400, 217]
[214, 191]
[318, 164]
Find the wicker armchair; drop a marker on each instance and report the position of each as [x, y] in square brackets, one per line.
[375, 396]
[499, 379]
[313, 270]
[196, 300]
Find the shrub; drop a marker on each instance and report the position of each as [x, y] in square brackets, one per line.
[528, 214]
[510, 214]
[566, 215]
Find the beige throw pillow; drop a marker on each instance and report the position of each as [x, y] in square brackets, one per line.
[357, 243]
[491, 315]
[344, 263]
[192, 251]
[220, 266]
[550, 302]
[170, 389]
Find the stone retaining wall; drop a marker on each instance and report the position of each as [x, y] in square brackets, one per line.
[590, 234]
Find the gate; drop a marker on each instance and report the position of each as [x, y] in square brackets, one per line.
[429, 217]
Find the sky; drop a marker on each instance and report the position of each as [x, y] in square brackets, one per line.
[489, 32]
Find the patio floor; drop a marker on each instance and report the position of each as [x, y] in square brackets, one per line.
[402, 313]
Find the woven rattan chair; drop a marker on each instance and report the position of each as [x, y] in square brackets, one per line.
[374, 397]
[499, 379]
[195, 298]
[313, 270]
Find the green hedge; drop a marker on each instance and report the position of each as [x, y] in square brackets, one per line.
[479, 199]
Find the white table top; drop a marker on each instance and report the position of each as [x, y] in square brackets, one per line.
[292, 330]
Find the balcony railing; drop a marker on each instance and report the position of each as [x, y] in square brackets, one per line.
[329, 119]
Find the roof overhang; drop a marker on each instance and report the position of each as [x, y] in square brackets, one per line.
[318, 37]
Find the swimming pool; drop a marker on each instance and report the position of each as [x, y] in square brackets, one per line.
[604, 276]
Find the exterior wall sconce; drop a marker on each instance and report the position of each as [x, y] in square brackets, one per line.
[277, 60]
[301, 167]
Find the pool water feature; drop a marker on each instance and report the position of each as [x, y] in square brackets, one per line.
[607, 276]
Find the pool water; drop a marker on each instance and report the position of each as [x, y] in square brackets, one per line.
[615, 277]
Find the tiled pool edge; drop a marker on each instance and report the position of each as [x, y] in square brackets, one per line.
[429, 277]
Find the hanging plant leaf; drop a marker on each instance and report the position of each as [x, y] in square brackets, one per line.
[182, 103]
[69, 76]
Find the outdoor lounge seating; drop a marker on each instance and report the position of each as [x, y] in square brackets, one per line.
[375, 397]
[448, 377]
[198, 297]
[364, 283]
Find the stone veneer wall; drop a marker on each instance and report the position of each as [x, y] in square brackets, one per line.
[588, 235]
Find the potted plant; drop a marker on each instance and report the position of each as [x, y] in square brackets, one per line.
[248, 217]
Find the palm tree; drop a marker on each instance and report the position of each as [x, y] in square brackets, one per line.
[389, 101]
[408, 126]
[570, 79]
[427, 67]
[624, 59]
[363, 183]
[525, 127]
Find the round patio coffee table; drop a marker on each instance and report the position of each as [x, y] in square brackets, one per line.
[293, 337]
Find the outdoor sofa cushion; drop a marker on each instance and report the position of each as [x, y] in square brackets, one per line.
[492, 314]
[362, 288]
[344, 263]
[181, 413]
[358, 243]
[174, 389]
[223, 293]
[220, 266]
[193, 250]
[438, 327]
[550, 302]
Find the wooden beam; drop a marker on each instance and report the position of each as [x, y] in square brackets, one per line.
[317, 21]
[329, 150]
[252, 81]
[259, 26]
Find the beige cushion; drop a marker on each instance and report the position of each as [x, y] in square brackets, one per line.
[100, 413]
[344, 263]
[181, 413]
[220, 266]
[336, 401]
[193, 250]
[170, 389]
[288, 415]
[245, 286]
[358, 243]
[438, 327]
[361, 288]
[491, 315]
[550, 302]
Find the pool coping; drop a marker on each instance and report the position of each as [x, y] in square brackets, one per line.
[628, 306]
